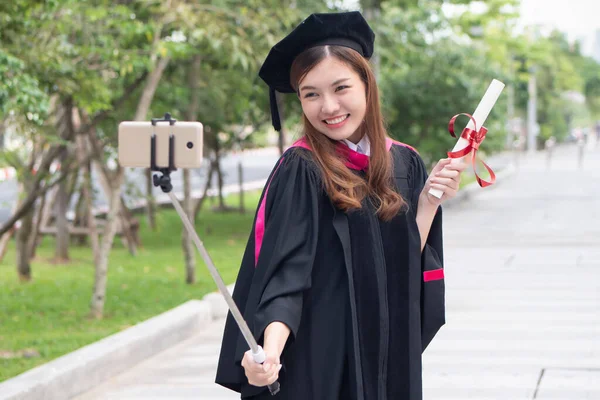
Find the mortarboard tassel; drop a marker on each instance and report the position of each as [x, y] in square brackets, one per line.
[274, 110]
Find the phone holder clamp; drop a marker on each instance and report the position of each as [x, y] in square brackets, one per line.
[163, 180]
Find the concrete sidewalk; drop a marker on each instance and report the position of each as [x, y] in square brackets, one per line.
[523, 284]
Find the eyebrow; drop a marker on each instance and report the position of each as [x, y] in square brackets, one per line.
[333, 84]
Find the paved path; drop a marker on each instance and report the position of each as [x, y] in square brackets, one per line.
[523, 284]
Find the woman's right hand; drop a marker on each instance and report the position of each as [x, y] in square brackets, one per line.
[261, 374]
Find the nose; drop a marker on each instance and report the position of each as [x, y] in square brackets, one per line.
[330, 106]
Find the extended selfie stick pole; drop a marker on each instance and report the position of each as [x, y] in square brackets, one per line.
[164, 181]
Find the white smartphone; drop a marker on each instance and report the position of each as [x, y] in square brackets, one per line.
[135, 137]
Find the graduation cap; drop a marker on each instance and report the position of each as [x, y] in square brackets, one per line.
[348, 29]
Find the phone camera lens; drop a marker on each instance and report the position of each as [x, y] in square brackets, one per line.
[190, 145]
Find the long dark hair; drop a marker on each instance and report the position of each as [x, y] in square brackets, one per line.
[346, 189]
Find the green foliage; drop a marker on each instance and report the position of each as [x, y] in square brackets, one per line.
[92, 51]
[426, 80]
[589, 71]
[20, 92]
[559, 67]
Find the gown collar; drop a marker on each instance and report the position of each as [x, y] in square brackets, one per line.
[363, 146]
[354, 160]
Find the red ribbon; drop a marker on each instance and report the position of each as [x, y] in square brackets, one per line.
[474, 138]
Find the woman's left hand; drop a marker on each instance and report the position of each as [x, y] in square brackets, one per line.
[444, 177]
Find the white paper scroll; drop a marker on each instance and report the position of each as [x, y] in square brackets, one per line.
[480, 115]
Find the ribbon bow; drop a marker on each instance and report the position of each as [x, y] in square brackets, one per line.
[474, 137]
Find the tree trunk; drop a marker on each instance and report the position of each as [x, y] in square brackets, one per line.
[241, 183]
[36, 190]
[101, 275]
[34, 238]
[207, 186]
[219, 171]
[86, 193]
[127, 232]
[81, 211]
[22, 244]
[104, 179]
[189, 251]
[4, 240]
[115, 181]
[66, 131]
[90, 146]
[61, 252]
[150, 200]
[140, 115]
[81, 217]
[188, 247]
[46, 206]
[2, 138]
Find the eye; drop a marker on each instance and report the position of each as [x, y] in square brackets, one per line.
[311, 94]
[341, 87]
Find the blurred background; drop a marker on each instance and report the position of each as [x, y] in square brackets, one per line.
[89, 248]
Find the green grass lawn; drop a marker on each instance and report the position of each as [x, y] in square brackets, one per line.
[50, 314]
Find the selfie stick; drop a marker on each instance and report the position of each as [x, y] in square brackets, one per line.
[164, 181]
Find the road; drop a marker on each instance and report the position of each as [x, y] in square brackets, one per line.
[257, 165]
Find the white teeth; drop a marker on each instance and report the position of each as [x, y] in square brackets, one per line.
[336, 121]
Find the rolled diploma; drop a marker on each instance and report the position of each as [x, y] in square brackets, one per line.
[480, 115]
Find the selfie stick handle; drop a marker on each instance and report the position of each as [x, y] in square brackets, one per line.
[164, 182]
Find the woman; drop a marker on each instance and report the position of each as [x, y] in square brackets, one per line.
[342, 278]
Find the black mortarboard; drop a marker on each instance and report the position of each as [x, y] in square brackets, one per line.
[347, 29]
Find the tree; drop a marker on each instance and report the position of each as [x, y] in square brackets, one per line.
[427, 76]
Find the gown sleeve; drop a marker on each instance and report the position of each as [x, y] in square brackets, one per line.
[433, 310]
[277, 264]
[286, 253]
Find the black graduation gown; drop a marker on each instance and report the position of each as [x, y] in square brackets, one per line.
[360, 298]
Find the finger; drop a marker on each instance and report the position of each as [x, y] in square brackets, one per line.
[254, 367]
[270, 358]
[271, 380]
[245, 359]
[265, 378]
[457, 166]
[451, 183]
[269, 364]
[440, 165]
[272, 372]
[275, 375]
[447, 173]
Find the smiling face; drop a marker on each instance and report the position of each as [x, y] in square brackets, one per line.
[333, 99]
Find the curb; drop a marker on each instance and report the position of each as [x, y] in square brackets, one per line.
[83, 369]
